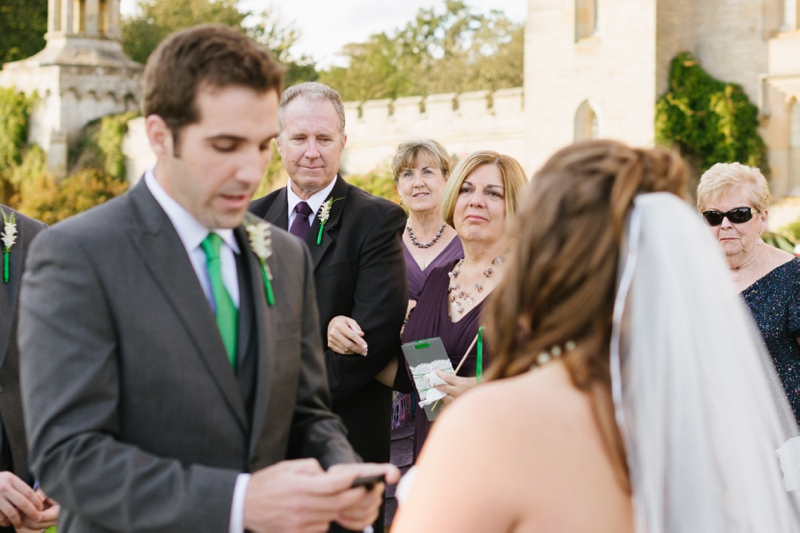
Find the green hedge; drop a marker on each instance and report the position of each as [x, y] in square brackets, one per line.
[709, 120]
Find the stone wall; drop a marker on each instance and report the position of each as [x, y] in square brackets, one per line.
[136, 149]
[463, 123]
[613, 70]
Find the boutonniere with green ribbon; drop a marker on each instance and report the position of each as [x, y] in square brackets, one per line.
[259, 233]
[9, 237]
[324, 215]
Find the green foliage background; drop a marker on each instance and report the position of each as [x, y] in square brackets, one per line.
[155, 19]
[708, 120]
[23, 24]
[377, 182]
[439, 51]
[97, 170]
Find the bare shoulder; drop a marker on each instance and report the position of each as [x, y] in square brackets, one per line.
[546, 396]
[777, 257]
[531, 446]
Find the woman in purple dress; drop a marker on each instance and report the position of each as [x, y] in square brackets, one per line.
[478, 198]
[421, 169]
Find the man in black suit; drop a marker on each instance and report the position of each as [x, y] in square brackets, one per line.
[20, 505]
[170, 357]
[355, 241]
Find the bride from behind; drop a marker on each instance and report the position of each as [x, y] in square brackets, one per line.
[629, 389]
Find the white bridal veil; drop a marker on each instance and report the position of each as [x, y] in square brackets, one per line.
[697, 400]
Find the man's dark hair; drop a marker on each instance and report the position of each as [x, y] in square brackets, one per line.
[212, 55]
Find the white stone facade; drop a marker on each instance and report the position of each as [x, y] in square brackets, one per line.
[596, 68]
[462, 123]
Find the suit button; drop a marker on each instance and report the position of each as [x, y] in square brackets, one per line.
[1, 388]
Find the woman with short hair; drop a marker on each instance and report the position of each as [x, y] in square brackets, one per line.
[734, 200]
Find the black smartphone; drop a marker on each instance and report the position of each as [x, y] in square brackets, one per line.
[368, 481]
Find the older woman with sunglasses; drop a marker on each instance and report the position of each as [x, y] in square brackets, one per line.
[734, 200]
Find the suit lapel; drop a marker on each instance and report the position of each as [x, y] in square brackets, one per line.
[340, 190]
[278, 214]
[264, 329]
[9, 292]
[167, 262]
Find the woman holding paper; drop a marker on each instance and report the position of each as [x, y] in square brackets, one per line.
[632, 392]
[477, 200]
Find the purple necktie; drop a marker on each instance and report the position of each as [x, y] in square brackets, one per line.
[300, 226]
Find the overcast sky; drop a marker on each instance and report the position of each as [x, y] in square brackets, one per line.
[327, 25]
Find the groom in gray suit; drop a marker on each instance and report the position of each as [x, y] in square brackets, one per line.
[171, 358]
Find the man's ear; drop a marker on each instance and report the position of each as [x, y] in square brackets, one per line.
[278, 144]
[344, 142]
[160, 136]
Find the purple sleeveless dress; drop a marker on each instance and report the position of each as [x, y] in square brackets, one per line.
[417, 276]
[430, 319]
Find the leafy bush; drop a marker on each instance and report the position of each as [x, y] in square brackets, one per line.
[377, 182]
[97, 173]
[50, 200]
[710, 121]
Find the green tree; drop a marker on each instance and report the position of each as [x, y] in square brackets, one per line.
[155, 19]
[23, 24]
[452, 51]
[708, 120]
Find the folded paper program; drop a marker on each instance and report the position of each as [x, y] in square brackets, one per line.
[431, 395]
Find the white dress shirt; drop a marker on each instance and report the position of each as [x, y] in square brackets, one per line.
[315, 202]
[192, 233]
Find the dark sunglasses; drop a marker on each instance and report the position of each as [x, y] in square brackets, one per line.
[740, 215]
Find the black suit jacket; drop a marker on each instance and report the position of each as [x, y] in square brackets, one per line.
[14, 456]
[359, 272]
[136, 419]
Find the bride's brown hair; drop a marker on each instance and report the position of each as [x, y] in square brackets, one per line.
[560, 282]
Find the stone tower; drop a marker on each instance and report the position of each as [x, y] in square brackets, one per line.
[81, 74]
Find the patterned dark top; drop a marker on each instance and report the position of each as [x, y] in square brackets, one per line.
[430, 319]
[774, 301]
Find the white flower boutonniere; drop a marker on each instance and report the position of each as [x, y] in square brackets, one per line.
[9, 237]
[259, 234]
[324, 215]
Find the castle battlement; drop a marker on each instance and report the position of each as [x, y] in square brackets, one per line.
[463, 123]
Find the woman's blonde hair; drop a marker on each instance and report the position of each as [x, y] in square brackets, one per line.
[511, 171]
[408, 153]
[723, 178]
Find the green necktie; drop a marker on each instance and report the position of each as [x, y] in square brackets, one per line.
[226, 313]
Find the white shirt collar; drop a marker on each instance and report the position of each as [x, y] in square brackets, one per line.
[190, 231]
[316, 200]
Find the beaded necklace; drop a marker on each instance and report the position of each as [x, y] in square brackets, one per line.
[459, 294]
[418, 244]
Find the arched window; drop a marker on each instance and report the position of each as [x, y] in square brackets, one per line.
[586, 126]
[585, 18]
[794, 149]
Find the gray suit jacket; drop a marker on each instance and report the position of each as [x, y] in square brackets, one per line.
[12, 435]
[136, 419]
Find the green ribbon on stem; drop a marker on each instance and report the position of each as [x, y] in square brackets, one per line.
[268, 287]
[479, 362]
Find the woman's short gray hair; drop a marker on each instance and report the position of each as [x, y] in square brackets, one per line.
[723, 178]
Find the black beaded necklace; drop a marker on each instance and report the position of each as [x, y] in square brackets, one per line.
[418, 244]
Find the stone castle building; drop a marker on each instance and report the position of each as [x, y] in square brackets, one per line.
[593, 68]
[82, 74]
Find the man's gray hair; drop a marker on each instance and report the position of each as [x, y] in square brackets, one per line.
[315, 92]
